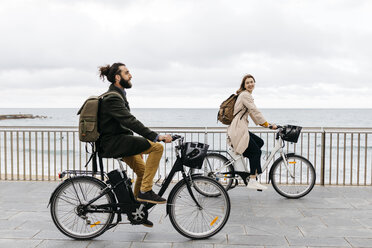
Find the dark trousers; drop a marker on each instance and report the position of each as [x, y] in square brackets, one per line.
[253, 153]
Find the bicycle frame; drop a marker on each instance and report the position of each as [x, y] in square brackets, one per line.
[234, 158]
[127, 206]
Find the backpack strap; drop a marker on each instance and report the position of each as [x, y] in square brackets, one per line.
[110, 93]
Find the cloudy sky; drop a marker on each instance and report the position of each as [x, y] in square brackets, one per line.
[303, 54]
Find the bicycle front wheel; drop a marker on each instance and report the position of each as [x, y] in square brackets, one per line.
[296, 182]
[68, 213]
[198, 222]
[218, 167]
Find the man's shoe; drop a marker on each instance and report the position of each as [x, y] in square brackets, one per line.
[148, 223]
[253, 184]
[150, 197]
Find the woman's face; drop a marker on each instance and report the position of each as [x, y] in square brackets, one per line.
[249, 84]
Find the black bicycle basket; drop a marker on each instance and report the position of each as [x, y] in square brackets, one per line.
[291, 133]
[193, 154]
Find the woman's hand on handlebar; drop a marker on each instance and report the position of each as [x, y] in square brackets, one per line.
[273, 126]
[165, 138]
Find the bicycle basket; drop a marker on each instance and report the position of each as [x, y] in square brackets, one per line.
[291, 133]
[193, 154]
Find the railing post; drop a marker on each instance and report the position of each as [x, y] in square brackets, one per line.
[206, 136]
[322, 161]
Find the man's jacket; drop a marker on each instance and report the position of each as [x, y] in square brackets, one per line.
[116, 126]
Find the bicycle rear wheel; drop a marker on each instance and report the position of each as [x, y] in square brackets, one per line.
[190, 220]
[298, 181]
[215, 166]
[68, 213]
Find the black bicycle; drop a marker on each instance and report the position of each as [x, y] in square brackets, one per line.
[84, 207]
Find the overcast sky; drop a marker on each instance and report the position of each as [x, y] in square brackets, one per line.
[303, 54]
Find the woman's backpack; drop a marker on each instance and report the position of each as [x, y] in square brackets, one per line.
[88, 120]
[226, 112]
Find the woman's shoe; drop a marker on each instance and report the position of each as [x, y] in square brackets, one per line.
[254, 184]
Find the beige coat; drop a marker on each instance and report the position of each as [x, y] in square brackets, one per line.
[237, 132]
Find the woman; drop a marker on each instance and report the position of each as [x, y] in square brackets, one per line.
[238, 136]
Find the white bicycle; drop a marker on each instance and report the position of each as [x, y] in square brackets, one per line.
[291, 175]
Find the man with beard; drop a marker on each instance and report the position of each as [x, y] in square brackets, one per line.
[117, 124]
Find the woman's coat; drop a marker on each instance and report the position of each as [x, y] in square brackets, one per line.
[237, 132]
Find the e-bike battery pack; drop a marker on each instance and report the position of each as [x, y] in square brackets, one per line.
[121, 185]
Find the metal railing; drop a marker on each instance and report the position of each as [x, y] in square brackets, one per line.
[341, 156]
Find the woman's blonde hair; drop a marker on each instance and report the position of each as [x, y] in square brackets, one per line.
[242, 88]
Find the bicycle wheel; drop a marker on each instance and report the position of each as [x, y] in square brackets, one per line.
[190, 220]
[215, 166]
[70, 218]
[298, 181]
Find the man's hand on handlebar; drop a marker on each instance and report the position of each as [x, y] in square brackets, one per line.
[165, 138]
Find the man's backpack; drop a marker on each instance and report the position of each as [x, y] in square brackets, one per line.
[88, 120]
[226, 112]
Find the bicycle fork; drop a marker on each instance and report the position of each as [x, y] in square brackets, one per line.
[286, 164]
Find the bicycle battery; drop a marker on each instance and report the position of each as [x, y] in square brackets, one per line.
[121, 185]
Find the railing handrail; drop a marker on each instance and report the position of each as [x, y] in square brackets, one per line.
[307, 129]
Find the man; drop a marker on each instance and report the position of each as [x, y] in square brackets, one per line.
[117, 124]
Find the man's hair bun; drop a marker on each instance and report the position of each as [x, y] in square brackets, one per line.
[104, 71]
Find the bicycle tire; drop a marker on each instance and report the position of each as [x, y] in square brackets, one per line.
[303, 181]
[65, 202]
[191, 221]
[211, 163]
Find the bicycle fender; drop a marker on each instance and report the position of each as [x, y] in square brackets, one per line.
[55, 191]
[276, 162]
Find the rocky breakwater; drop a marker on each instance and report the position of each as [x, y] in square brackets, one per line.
[21, 116]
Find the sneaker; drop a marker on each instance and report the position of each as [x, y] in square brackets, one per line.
[148, 223]
[150, 197]
[254, 184]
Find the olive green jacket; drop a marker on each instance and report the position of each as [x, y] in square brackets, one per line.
[116, 126]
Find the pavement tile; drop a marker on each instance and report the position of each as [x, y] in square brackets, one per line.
[63, 244]
[7, 224]
[237, 246]
[304, 221]
[151, 245]
[275, 212]
[341, 222]
[19, 243]
[236, 229]
[5, 215]
[192, 244]
[336, 232]
[108, 244]
[165, 237]
[18, 234]
[360, 242]
[256, 240]
[125, 237]
[316, 241]
[366, 222]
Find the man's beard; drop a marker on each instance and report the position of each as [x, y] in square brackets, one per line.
[125, 84]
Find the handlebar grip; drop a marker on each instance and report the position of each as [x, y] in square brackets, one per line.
[175, 137]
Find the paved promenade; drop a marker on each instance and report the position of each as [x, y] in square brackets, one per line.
[327, 217]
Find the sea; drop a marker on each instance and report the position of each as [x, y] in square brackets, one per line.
[199, 117]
